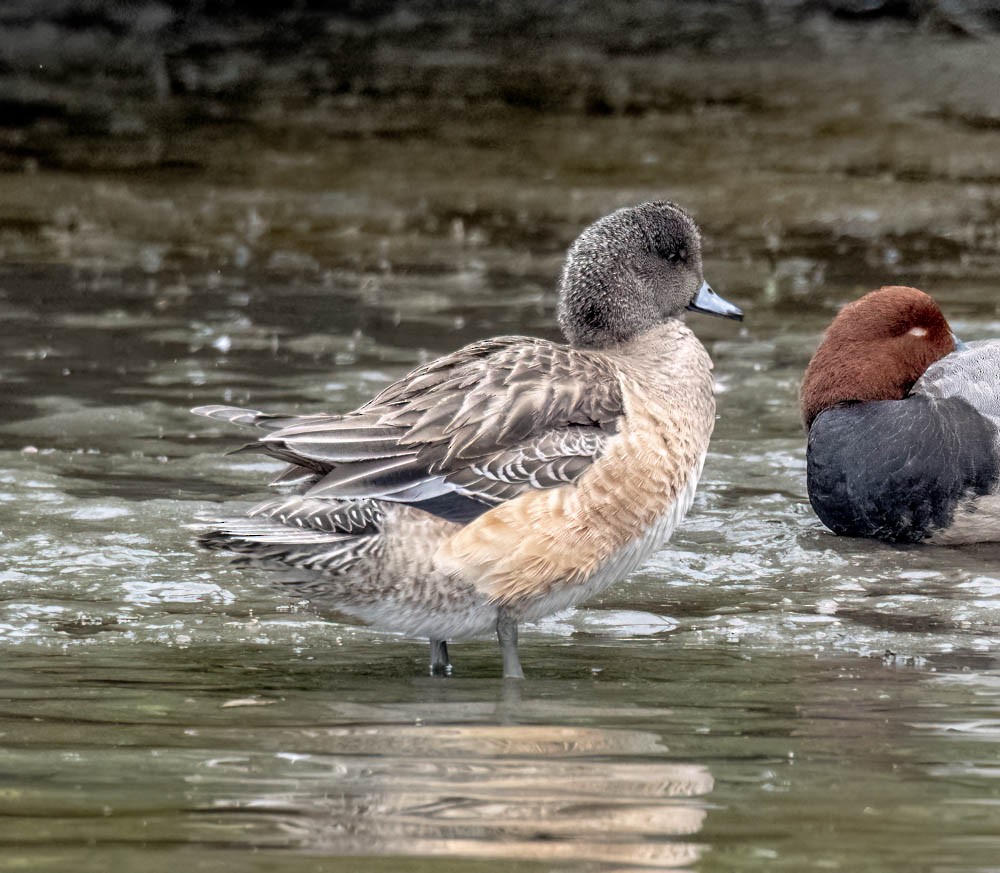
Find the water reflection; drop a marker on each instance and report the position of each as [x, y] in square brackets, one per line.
[533, 793]
[436, 770]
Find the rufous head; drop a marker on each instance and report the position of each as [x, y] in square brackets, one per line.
[875, 349]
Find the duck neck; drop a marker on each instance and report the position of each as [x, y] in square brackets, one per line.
[664, 357]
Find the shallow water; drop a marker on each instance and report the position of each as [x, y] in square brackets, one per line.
[761, 696]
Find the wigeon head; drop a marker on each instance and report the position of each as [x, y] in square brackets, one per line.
[875, 349]
[631, 270]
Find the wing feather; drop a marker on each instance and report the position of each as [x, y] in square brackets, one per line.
[489, 422]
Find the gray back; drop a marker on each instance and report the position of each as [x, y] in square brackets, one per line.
[973, 374]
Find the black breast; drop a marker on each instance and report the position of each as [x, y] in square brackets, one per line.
[896, 469]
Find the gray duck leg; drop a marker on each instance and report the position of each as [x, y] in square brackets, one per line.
[507, 635]
[440, 665]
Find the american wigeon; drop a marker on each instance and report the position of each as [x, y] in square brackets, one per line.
[904, 428]
[516, 476]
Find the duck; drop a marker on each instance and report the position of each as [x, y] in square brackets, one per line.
[903, 424]
[510, 479]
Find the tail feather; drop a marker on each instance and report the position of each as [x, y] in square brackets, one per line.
[302, 533]
[275, 551]
[231, 414]
[254, 418]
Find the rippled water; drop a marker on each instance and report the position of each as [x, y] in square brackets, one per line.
[761, 696]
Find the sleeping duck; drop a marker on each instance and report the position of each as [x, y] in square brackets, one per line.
[904, 424]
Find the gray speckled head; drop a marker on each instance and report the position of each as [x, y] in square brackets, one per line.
[629, 271]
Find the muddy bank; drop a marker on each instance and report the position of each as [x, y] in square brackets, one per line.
[813, 140]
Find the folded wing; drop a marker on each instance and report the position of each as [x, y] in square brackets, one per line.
[464, 433]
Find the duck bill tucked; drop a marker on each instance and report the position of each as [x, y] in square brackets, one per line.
[706, 300]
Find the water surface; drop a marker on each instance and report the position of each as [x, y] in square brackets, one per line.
[761, 696]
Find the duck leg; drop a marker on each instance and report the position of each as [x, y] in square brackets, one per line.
[439, 658]
[507, 635]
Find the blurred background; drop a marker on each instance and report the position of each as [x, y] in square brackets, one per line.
[288, 205]
[812, 139]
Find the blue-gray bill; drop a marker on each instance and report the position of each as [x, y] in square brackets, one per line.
[706, 300]
[959, 345]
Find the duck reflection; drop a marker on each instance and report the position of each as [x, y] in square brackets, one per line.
[531, 793]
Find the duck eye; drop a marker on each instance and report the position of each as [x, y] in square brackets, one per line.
[677, 256]
[917, 331]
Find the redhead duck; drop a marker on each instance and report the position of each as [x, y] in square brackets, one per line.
[514, 477]
[904, 443]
